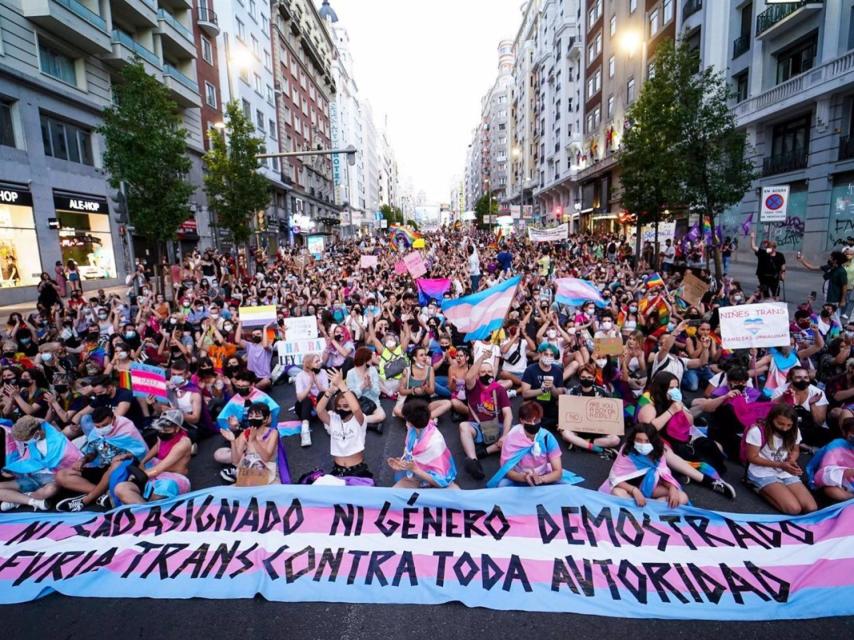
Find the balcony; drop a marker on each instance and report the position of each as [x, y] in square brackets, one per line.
[846, 148]
[830, 77]
[785, 162]
[740, 46]
[206, 19]
[73, 21]
[690, 8]
[126, 50]
[779, 17]
[136, 13]
[177, 39]
[184, 90]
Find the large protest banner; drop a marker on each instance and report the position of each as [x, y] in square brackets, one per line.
[748, 326]
[555, 549]
[291, 352]
[554, 234]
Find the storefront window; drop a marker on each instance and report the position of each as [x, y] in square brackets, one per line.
[841, 223]
[85, 237]
[20, 264]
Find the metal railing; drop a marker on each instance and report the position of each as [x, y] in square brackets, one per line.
[81, 10]
[690, 8]
[740, 45]
[785, 162]
[126, 40]
[172, 21]
[188, 82]
[846, 148]
[206, 15]
[777, 12]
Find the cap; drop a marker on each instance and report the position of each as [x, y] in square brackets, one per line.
[169, 418]
[546, 346]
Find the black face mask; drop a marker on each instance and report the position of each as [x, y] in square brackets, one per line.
[531, 429]
[345, 415]
[60, 388]
[256, 339]
[801, 385]
[586, 382]
[166, 436]
[486, 380]
[738, 387]
[316, 369]
[243, 391]
[255, 422]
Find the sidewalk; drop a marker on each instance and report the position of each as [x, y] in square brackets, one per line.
[25, 308]
[797, 287]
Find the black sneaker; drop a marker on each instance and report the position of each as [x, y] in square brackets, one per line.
[229, 474]
[474, 469]
[608, 453]
[480, 450]
[724, 488]
[378, 427]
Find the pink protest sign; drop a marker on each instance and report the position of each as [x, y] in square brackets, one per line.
[415, 264]
[400, 268]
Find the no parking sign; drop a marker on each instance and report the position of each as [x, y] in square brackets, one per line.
[775, 202]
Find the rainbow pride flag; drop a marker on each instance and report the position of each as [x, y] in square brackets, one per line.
[405, 235]
[654, 280]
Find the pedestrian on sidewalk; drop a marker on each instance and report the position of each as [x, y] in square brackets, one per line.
[59, 270]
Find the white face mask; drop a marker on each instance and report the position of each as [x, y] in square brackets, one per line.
[601, 362]
[769, 250]
[607, 326]
[547, 360]
[389, 344]
[643, 448]
[552, 334]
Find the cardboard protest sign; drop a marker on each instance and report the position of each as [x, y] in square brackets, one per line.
[693, 289]
[609, 346]
[368, 262]
[301, 328]
[749, 326]
[257, 316]
[147, 380]
[591, 415]
[415, 264]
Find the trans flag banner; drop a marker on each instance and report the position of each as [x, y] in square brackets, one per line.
[483, 312]
[555, 549]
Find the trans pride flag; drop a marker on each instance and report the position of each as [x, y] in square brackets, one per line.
[432, 289]
[575, 292]
[483, 312]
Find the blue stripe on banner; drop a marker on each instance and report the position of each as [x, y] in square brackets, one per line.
[483, 332]
[480, 296]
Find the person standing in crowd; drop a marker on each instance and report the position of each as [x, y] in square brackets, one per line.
[474, 267]
[770, 266]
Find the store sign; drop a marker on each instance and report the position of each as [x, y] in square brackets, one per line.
[335, 139]
[17, 197]
[80, 203]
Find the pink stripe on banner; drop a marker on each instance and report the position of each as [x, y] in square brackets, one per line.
[467, 317]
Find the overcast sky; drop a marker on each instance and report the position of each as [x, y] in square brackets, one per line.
[426, 64]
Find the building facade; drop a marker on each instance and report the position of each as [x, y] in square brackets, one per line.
[58, 62]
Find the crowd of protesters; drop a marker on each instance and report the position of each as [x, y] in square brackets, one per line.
[76, 435]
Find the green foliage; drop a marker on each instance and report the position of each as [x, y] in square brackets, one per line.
[393, 215]
[412, 224]
[146, 149]
[236, 191]
[485, 206]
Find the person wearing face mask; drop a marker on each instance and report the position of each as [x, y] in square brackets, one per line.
[105, 393]
[730, 402]
[426, 461]
[339, 347]
[418, 381]
[602, 444]
[347, 427]
[364, 381]
[131, 337]
[530, 454]
[831, 469]
[186, 397]
[810, 405]
[37, 453]
[257, 452]
[120, 362]
[310, 383]
[28, 395]
[771, 453]
[770, 265]
[543, 381]
[163, 471]
[108, 441]
[393, 361]
[258, 354]
[606, 328]
[640, 471]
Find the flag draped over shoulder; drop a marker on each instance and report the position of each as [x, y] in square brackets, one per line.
[575, 292]
[483, 312]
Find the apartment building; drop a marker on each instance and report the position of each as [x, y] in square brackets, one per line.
[58, 62]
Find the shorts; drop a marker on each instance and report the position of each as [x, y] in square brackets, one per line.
[29, 482]
[356, 471]
[93, 474]
[167, 485]
[761, 483]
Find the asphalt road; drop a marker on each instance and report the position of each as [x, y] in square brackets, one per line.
[57, 616]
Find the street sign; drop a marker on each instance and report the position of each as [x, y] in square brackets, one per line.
[775, 203]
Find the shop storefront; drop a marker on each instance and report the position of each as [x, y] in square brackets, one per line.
[20, 260]
[84, 234]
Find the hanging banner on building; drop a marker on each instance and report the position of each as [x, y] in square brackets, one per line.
[527, 211]
[147, 380]
[554, 549]
[301, 328]
[555, 234]
[749, 326]
[775, 204]
[515, 211]
[258, 316]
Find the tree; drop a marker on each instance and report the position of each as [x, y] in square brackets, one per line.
[146, 151]
[236, 191]
[485, 206]
[392, 215]
[651, 158]
[412, 224]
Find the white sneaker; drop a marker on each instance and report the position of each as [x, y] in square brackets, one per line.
[511, 393]
[38, 505]
[8, 506]
[305, 434]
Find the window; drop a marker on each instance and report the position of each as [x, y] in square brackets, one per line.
[210, 94]
[796, 59]
[66, 141]
[207, 50]
[247, 108]
[56, 64]
[265, 25]
[598, 43]
[259, 119]
[612, 27]
[633, 5]
[667, 9]
[241, 29]
[791, 137]
[597, 80]
[7, 130]
[271, 97]
[252, 8]
[271, 126]
[741, 87]
[268, 60]
[259, 86]
[612, 66]
[256, 46]
[653, 22]
[630, 90]
[610, 106]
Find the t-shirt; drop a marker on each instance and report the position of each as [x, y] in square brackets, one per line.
[346, 438]
[303, 381]
[505, 259]
[812, 392]
[836, 281]
[534, 376]
[474, 264]
[257, 358]
[134, 414]
[771, 450]
[483, 405]
[769, 265]
[672, 364]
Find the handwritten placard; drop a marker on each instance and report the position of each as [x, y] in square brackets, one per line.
[147, 380]
[368, 262]
[693, 289]
[301, 328]
[609, 346]
[749, 326]
[415, 264]
[291, 352]
[591, 415]
[400, 268]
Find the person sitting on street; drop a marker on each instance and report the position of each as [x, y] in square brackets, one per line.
[831, 469]
[255, 451]
[426, 461]
[596, 443]
[347, 427]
